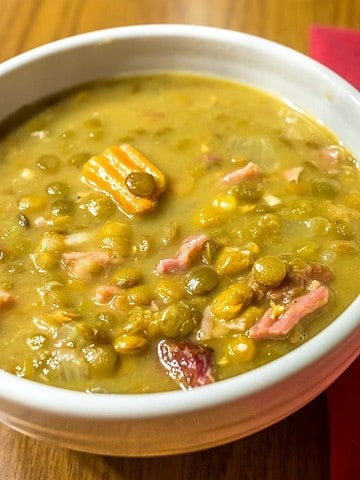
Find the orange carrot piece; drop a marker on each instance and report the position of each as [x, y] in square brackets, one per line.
[107, 172]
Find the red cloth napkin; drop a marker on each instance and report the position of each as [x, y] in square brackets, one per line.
[343, 398]
[339, 49]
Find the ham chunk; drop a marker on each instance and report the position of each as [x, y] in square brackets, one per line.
[189, 250]
[294, 283]
[106, 293]
[206, 324]
[187, 363]
[271, 326]
[250, 171]
[328, 159]
[85, 265]
[293, 174]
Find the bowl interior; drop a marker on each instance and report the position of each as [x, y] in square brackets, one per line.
[271, 67]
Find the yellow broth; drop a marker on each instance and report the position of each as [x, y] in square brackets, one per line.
[196, 131]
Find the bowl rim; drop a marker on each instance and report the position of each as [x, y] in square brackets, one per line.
[173, 30]
[43, 397]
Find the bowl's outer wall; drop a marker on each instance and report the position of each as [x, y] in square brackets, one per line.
[114, 425]
[183, 432]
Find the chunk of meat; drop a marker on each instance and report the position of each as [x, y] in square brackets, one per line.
[187, 363]
[293, 174]
[319, 272]
[250, 171]
[271, 326]
[85, 265]
[189, 250]
[206, 324]
[294, 283]
[328, 159]
[6, 299]
[105, 293]
[211, 159]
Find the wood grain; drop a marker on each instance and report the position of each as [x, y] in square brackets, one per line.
[296, 448]
[25, 24]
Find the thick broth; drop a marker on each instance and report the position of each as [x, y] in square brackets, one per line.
[285, 229]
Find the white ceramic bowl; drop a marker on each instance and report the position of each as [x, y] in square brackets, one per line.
[176, 422]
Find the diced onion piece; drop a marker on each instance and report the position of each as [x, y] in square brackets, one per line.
[271, 200]
[77, 238]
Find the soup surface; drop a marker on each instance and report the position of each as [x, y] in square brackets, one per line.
[169, 231]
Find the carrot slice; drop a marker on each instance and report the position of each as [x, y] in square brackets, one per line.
[108, 171]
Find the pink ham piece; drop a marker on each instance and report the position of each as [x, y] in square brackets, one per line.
[206, 324]
[185, 256]
[84, 265]
[330, 158]
[187, 363]
[294, 283]
[210, 159]
[250, 171]
[106, 293]
[270, 327]
[293, 174]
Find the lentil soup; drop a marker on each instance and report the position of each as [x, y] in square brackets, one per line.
[168, 231]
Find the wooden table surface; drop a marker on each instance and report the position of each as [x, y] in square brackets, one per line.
[297, 447]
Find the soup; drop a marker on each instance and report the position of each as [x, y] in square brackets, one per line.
[169, 231]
